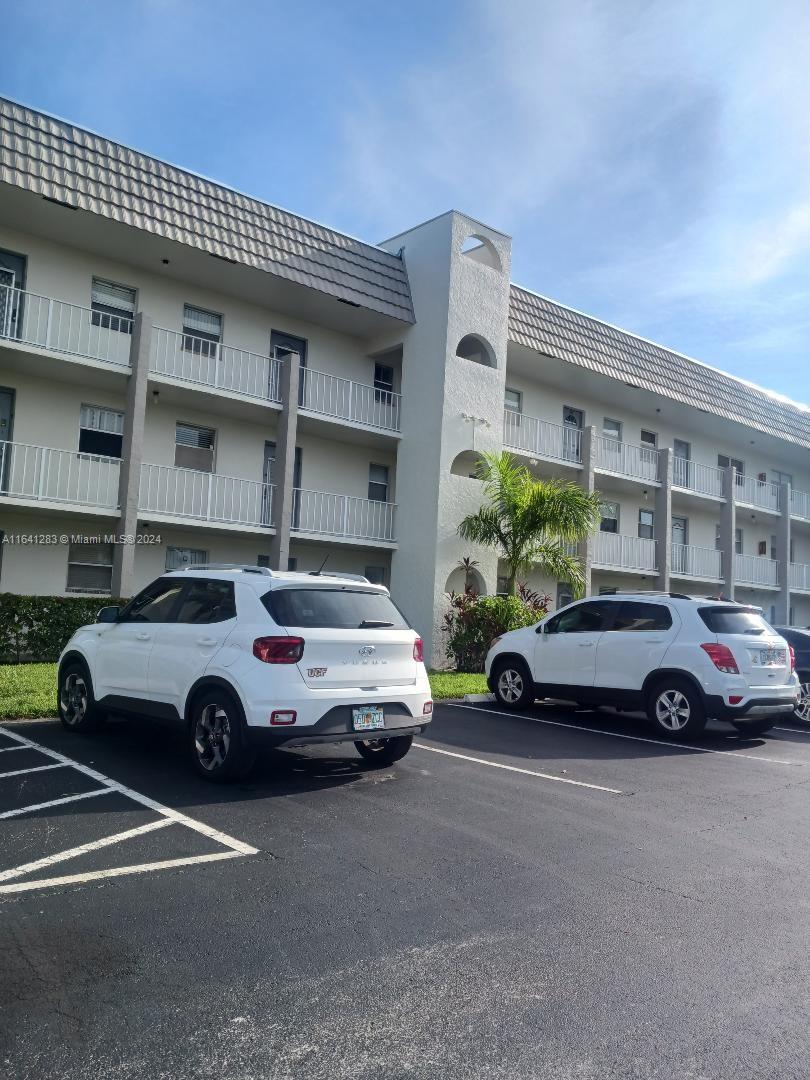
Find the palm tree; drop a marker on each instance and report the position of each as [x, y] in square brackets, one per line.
[531, 522]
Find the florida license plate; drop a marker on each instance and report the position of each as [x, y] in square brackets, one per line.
[772, 657]
[369, 718]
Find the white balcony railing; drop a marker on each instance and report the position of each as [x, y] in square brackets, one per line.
[696, 562]
[624, 552]
[693, 476]
[43, 474]
[799, 577]
[210, 363]
[800, 504]
[753, 492]
[346, 399]
[203, 496]
[756, 570]
[639, 462]
[342, 515]
[539, 437]
[40, 321]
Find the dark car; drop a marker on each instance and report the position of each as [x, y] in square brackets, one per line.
[800, 640]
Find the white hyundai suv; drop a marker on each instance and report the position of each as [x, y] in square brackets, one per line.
[681, 659]
[244, 657]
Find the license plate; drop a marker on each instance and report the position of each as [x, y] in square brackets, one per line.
[772, 657]
[369, 718]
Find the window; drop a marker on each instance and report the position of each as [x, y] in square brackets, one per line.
[502, 585]
[723, 462]
[607, 590]
[202, 330]
[590, 617]
[720, 620]
[738, 540]
[292, 563]
[335, 609]
[383, 383]
[113, 306]
[263, 560]
[89, 568]
[574, 418]
[207, 602]
[780, 477]
[194, 447]
[610, 517]
[682, 449]
[177, 557]
[156, 604]
[646, 524]
[375, 574]
[565, 595]
[650, 439]
[101, 431]
[378, 483]
[513, 400]
[474, 348]
[612, 429]
[638, 617]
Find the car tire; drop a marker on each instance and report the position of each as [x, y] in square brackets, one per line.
[675, 708]
[78, 710]
[512, 684]
[381, 753]
[802, 710]
[216, 735]
[749, 729]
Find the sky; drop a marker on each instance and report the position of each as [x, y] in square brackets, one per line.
[651, 160]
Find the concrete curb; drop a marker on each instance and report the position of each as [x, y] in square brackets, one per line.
[477, 698]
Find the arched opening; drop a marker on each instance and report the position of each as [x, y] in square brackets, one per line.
[466, 464]
[460, 578]
[481, 250]
[474, 348]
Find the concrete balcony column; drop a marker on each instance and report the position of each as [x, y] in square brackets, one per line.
[783, 555]
[663, 519]
[588, 482]
[123, 575]
[728, 529]
[284, 465]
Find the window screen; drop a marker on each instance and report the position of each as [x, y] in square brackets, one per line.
[337, 609]
[634, 616]
[89, 568]
[113, 306]
[194, 447]
[202, 331]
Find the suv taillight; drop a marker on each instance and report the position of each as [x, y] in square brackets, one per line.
[792, 658]
[278, 650]
[418, 650]
[722, 657]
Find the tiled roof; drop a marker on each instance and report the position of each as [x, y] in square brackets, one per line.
[558, 331]
[60, 161]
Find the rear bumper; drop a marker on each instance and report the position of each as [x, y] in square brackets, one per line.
[336, 727]
[774, 704]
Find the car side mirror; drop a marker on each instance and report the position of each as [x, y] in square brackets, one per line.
[542, 629]
[108, 614]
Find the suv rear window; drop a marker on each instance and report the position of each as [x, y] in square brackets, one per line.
[734, 621]
[334, 609]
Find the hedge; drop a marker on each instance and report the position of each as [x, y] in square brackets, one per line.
[38, 627]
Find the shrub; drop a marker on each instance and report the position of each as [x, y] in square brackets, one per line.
[473, 621]
[38, 627]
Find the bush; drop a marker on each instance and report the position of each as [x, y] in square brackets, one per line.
[473, 621]
[38, 627]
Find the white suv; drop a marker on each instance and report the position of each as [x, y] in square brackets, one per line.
[245, 657]
[680, 658]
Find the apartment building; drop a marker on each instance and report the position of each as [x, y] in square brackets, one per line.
[225, 381]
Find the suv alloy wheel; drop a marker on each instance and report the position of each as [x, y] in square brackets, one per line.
[676, 709]
[217, 738]
[513, 685]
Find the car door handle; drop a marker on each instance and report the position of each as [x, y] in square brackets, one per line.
[585, 644]
[141, 636]
[206, 641]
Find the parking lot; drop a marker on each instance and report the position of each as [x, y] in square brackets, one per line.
[552, 894]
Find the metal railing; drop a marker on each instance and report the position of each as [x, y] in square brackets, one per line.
[328, 514]
[624, 552]
[799, 576]
[753, 492]
[210, 363]
[46, 323]
[187, 493]
[800, 504]
[625, 459]
[693, 476]
[756, 570]
[345, 399]
[696, 562]
[44, 474]
[539, 437]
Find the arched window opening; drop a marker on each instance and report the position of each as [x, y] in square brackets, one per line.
[481, 250]
[474, 348]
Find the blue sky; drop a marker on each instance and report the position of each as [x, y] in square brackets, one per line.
[650, 159]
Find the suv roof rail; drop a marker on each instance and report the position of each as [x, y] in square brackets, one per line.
[648, 592]
[246, 568]
[339, 574]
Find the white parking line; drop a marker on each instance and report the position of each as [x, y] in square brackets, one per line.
[515, 768]
[35, 768]
[53, 802]
[6, 749]
[633, 738]
[792, 730]
[117, 871]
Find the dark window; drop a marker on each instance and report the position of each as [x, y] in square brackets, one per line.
[723, 462]
[649, 438]
[635, 616]
[733, 620]
[202, 331]
[375, 574]
[101, 431]
[383, 383]
[207, 602]
[113, 306]
[591, 617]
[156, 603]
[292, 563]
[646, 524]
[194, 447]
[610, 517]
[334, 609]
[378, 483]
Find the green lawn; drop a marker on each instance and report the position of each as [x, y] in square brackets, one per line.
[29, 690]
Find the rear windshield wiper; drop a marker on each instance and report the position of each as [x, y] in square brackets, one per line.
[367, 623]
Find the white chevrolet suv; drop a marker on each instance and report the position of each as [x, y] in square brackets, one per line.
[245, 657]
[681, 659]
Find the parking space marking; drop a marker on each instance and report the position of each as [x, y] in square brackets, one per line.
[633, 738]
[34, 768]
[6, 749]
[516, 769]
[792, 730]
[168, 816]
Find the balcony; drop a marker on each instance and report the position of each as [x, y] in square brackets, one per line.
[759, 493]
[799, 577]
[624, 459]
[200, 496]
[29, 319]
[697, 478]
[756, 570]
[345, 399]
[41, 474]
[612, 551]
[696, 563]
[800, 505]
[210, 363]
[321, 513]
[541, 439]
